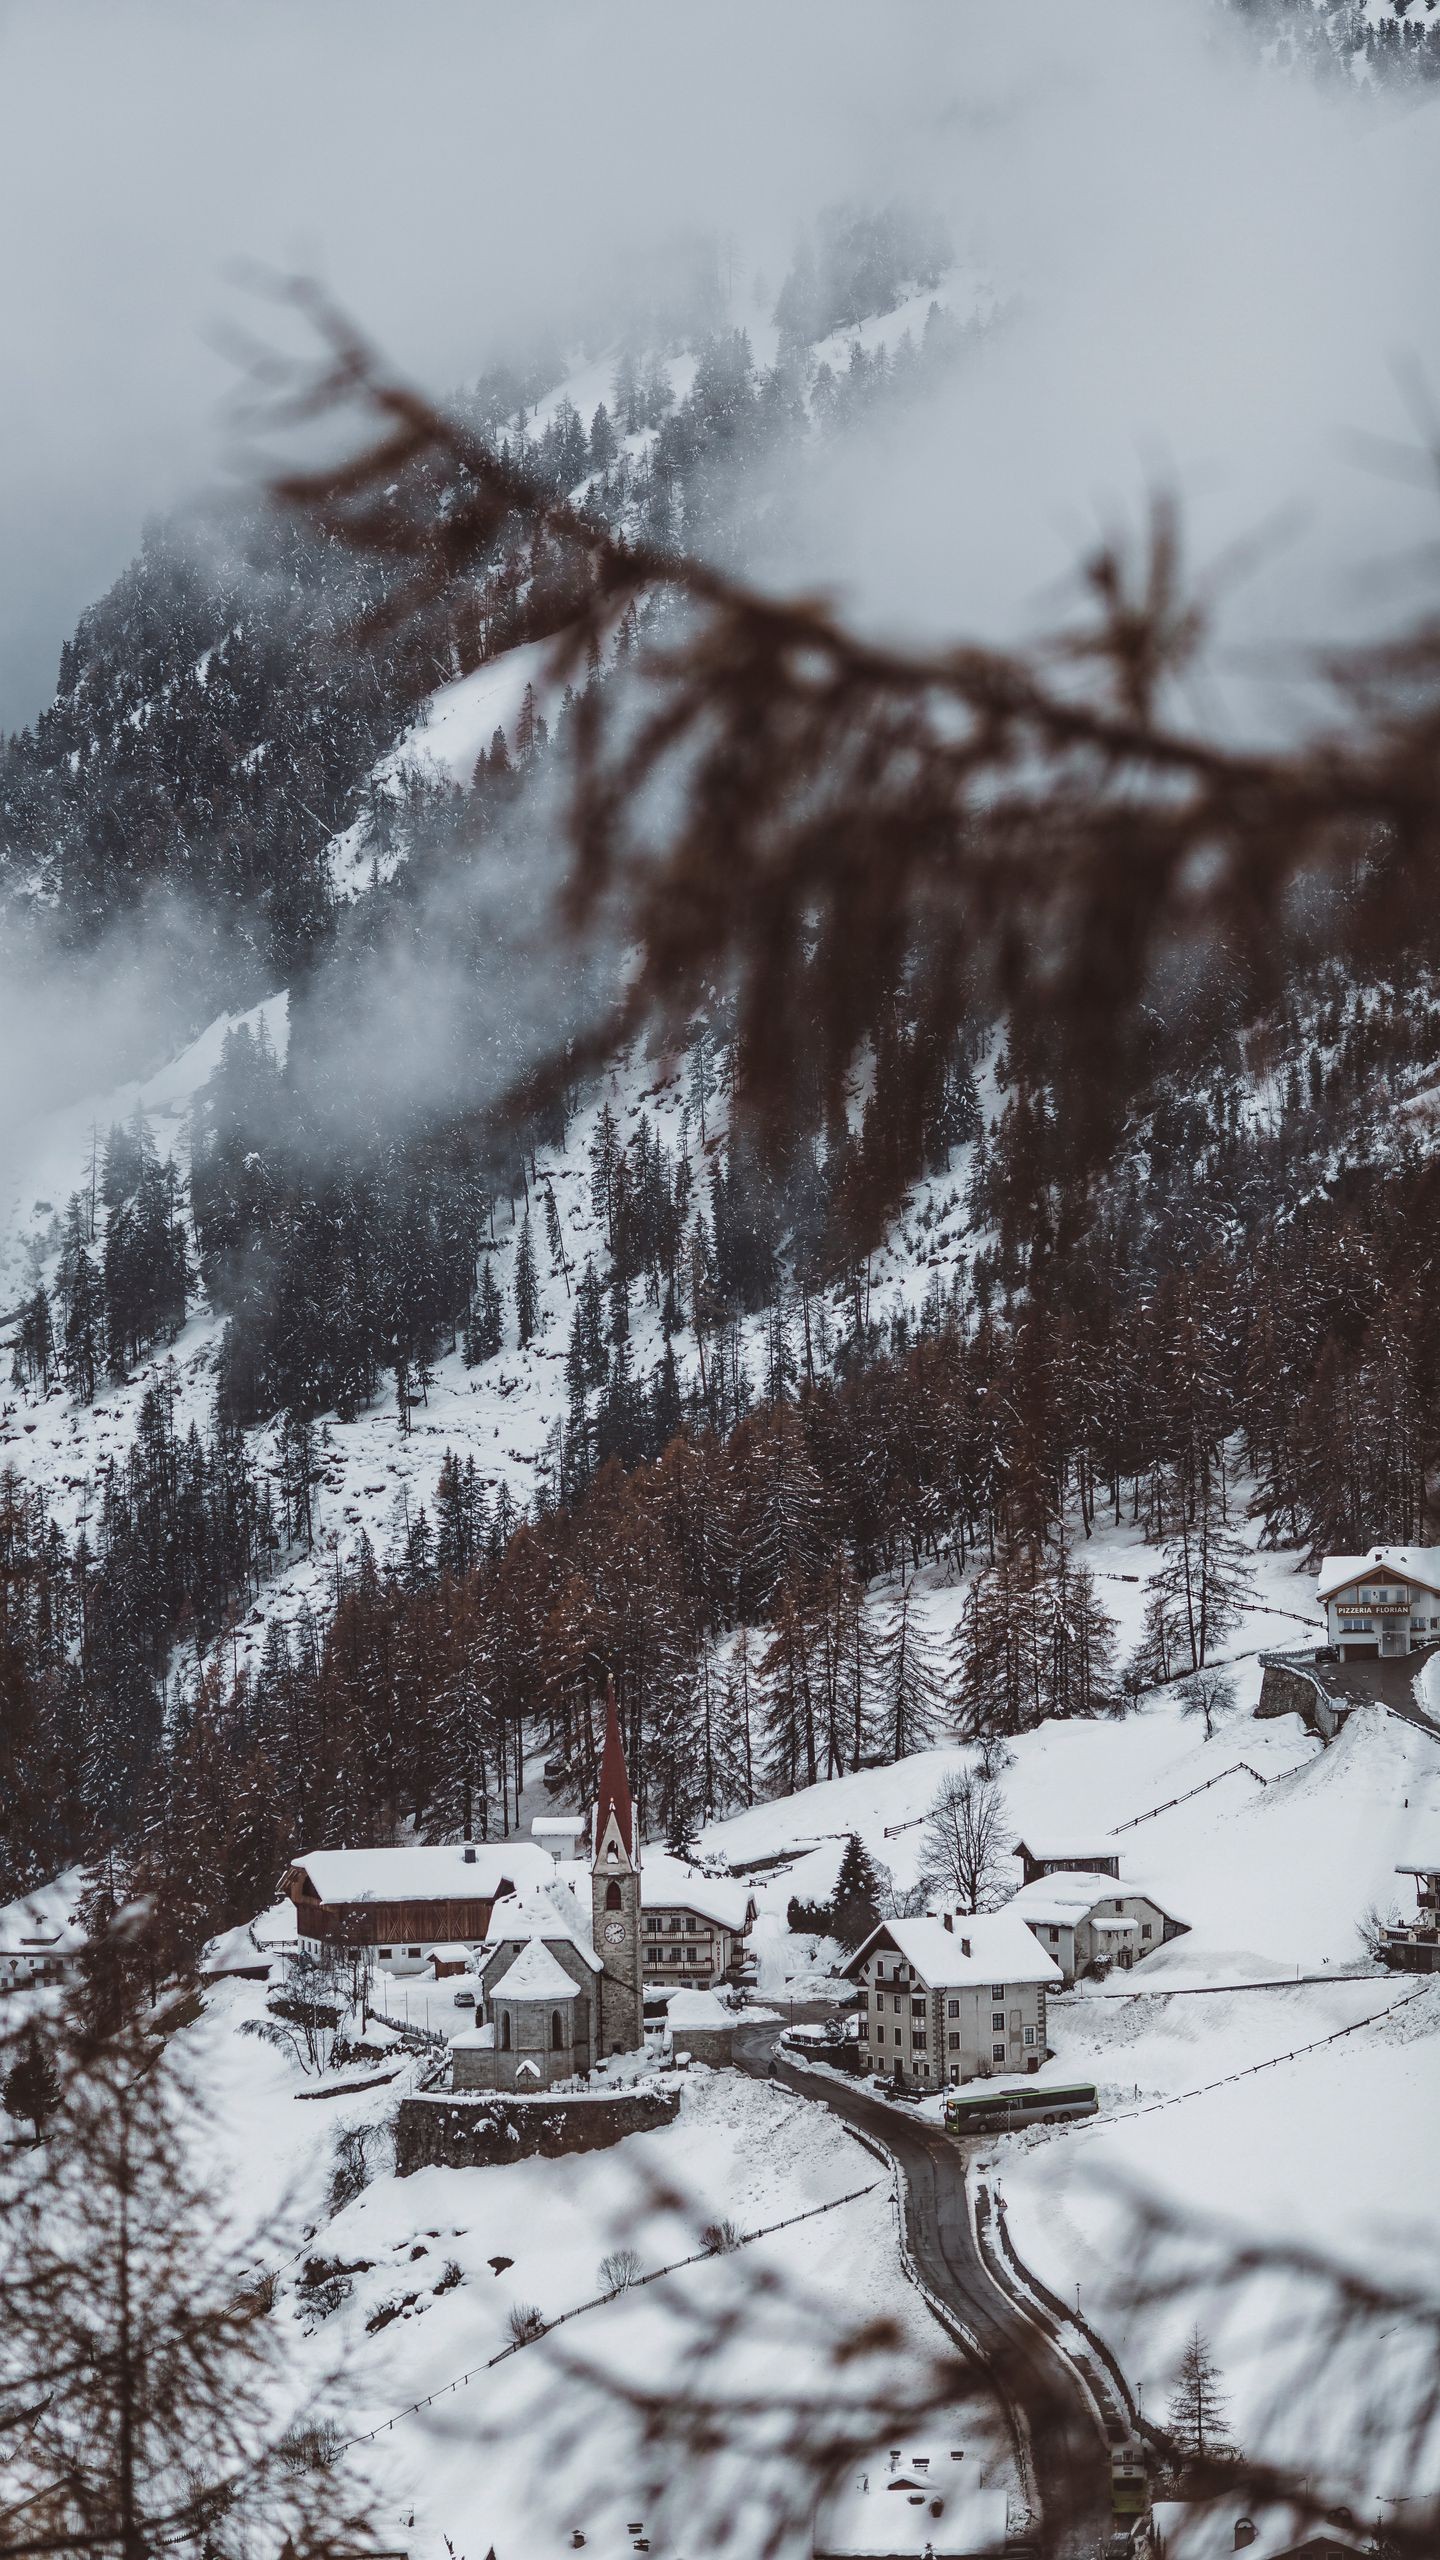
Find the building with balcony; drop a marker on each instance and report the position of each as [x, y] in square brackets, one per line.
[693, 1927]
[952, 1998]
[1415, 1946]
[1385, 1603]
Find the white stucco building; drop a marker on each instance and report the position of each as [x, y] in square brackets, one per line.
[1383, 1603]
[952, 1999]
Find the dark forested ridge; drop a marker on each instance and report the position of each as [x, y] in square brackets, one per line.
[1398, 41]
[1246, 1297]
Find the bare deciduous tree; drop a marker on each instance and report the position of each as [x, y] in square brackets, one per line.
[143, 2390]
[1209, 1694]
[965, 1854]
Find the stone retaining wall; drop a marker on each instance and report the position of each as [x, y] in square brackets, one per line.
[1287, 1691]
[449, 2132]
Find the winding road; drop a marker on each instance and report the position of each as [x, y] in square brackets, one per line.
[1071, 2462]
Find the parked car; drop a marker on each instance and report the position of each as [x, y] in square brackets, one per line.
[464, 1999]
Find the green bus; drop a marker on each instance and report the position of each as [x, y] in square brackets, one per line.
[1129, 2486]
[986, 2110]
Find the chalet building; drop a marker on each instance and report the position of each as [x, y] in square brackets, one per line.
[40, 1954]
[1382, 1604]
[1415, 1947]
[1089, 1922]
[951, 1999]
[560, 1982]
[402, 1902]
[1081, 1853]
[694, 1927]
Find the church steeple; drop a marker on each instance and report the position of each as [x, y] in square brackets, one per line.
[613, 1804]
[615, 1897]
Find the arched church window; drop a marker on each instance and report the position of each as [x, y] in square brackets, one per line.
[557, 2032]
[612, 1856]
[504, 2030]
[613, 1898]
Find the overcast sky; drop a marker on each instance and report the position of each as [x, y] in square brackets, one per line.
[449, 166]
[1212, 271]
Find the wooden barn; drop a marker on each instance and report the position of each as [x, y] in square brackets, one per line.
[404, 1901]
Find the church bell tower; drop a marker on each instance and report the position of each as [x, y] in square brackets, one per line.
[615, 1898]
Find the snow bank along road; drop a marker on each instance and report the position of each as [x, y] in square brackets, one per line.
[1071, 2463]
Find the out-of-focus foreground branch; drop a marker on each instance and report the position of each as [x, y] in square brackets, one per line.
[830, 829]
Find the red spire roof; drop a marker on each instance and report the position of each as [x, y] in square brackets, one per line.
[614, 1796]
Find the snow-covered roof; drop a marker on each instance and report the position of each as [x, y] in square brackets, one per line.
[235, 1950]
[1206, 2530]
[1427, 1866]
[698, 2009]
[549, 1911]
[1074, 1844]
[450, 1870]
[42, 1945]
[995, 1946]
[1410, 1564]
[1069, 1897]
[536, 1975]
[1116, 1928]
[558, 1826]
[473, 2039]
[668, 1884]
[276, 1927]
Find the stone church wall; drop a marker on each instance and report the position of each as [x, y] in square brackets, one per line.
[446, 2131]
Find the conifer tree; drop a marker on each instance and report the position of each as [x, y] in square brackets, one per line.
[405, 1395]
[588, 1330]
[994, 1650]
[604, 443]
[604, 1167]
[786, 1673]
[485, 1325]
[527, 1286]
[555, 1237]
[1197, 2414]
[909, 1692]
[298, 1471]
[32, 2083]
[855, 1902]
[34, 1342]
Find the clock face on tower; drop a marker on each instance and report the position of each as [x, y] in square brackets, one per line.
[614, 1933]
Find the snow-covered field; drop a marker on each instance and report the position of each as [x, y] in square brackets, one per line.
[440, 2260]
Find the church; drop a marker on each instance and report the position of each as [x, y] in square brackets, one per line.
[561, 1985]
